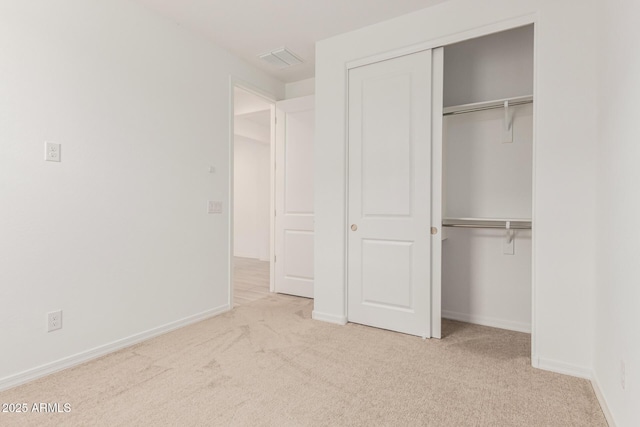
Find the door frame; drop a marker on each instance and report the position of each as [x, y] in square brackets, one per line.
[510, 24]
[234, 83]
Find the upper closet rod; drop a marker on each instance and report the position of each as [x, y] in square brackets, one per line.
[512, 227]
[488, 105]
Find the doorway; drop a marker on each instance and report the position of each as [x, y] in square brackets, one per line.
[252, 196]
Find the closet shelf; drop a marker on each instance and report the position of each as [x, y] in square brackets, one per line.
[514, 223]
[486, 105]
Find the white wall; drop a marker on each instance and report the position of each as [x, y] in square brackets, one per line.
[482, 285]
[485, 178]
[300, 88]
[251, 198]
[618, 249]
[117, 234]
[250, 129]
[564, 158]
[492, 67]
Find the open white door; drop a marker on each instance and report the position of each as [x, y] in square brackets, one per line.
[390, 178]
[295, 120]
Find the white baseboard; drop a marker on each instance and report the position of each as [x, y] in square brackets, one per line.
[603, 402]
[251, 256]
[562, 367]
[487, 321]
[331, 318]
[246, 255]
[580, 372]
[82, 357]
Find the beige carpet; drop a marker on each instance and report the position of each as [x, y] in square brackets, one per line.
[250, 280]
[267, 364]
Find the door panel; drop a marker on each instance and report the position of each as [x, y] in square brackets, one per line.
[298, 160]
[388, 136]
[377, 276]
[294, 197]
[389, 239]
[297, 262]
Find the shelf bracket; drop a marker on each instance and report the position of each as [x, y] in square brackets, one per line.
[507, 132]
[507, 246]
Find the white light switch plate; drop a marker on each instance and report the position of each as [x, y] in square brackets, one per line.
[214, 207]
[51, 151]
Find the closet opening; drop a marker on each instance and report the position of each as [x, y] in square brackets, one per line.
[487, 180]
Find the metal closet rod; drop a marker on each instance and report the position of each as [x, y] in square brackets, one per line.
[488, 107]
[502, 227]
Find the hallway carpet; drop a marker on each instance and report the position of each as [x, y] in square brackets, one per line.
[267, 363]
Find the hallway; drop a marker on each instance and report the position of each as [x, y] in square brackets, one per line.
[250, 280]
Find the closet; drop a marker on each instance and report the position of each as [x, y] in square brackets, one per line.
[487, 168]
[440, 186]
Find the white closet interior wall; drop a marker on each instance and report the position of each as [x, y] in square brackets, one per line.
[492, 67]
[485, 178]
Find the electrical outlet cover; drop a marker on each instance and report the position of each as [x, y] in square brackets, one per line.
[51, 152]
[54, 320]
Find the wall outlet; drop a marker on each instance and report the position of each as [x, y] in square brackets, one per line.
[54, 320]
[51, 152]
[623, 375]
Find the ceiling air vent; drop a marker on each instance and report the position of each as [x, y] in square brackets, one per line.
[281, 58]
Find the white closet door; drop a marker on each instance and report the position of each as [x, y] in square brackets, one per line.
[437, 102]
[389, 243]
[294, 197]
